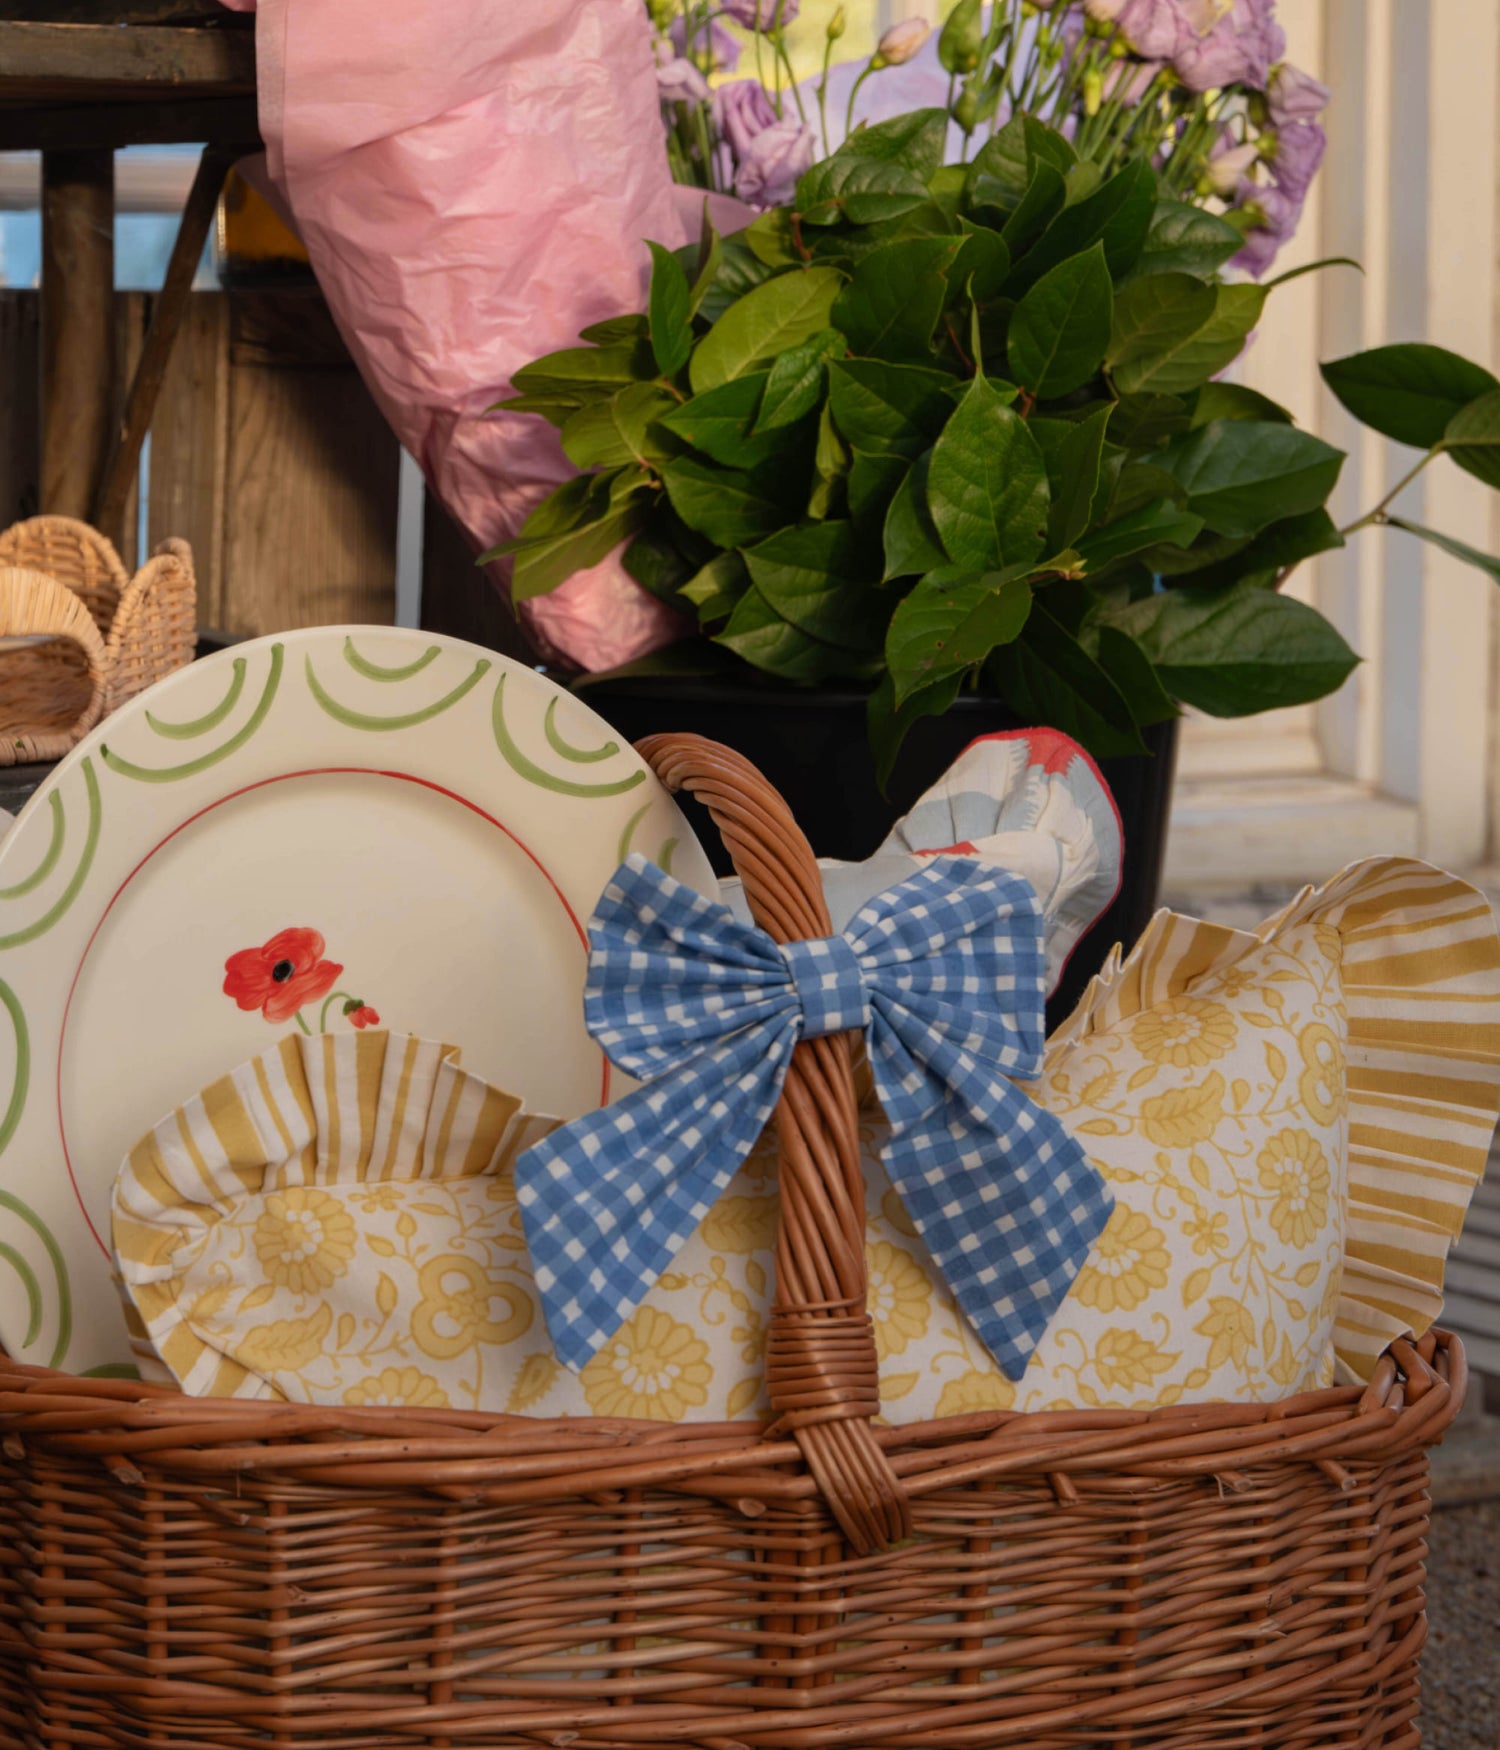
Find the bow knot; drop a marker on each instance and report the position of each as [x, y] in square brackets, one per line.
[944, 973]
[829, 984]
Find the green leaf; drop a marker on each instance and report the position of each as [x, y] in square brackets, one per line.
[946, 186]
[1144, 421]
[688, 659]
[1045, 197]
[1132, 487]
[739, 270]
[617, 331]
[1238, 651]
[1409, 393]
[1117, 216]
[716, 587]
[891, 306]
[768, 320]
[915, 140]
[1282, 543]
[1060, 330]
[719, 422]
[1185, 239]
[1001, 170]
[889, 410]
[1458, 549]
[941, 629]
[1239, 475]
[890, 724]
[1072, 450]
[594, 371]
[669, 311]
[660, 558]
[983, 262]
[911, 540]
[1235, 401]
[831, 470]
[873, 484]
[1047, 677]
[1151, 526]
[706, 266]
[810, 575]
[766, 640]
[795, 385]
[615, 433]
[728, 506]
[1133, 674]
[1045, 145]
[1172, 332]
[987, 484]
[959, 44]
[861, 188]
[770, 237]
[1473, 438]
[613, 506]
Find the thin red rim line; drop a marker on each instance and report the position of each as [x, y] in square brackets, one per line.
[245, 790]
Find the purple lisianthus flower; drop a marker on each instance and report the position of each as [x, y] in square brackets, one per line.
[776, 157]
[1295, 96]
[1153, 28]
[762, 14]
[1233, 46]
[1296, 151]
[678, 80]
[1275, 214]
[742, 111]
[723, 48]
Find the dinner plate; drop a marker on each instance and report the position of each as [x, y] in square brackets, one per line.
[323, 830]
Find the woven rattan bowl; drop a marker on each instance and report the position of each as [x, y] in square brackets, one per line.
[78, 636]
[189, 1574]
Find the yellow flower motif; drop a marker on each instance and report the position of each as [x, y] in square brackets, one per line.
[742, 1225]
[1234, 982]
[399, 1385]
[976, 1394]
[537, 1377]
[1184, 1117]
[654, 1366]
[383, 1196]
[1186, 1034]
[1321, 1084]
[454, 1312]
[1124, 1358]
[1208, 1230]
[1231, 1330]
[1129, 1259]
[304, 1239]
[285, 1345]
[900, 1298]
[1292, 1164]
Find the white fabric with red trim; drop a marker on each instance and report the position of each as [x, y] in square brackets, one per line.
[1029, 801]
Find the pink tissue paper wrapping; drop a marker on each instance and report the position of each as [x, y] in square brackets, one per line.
[474, 181]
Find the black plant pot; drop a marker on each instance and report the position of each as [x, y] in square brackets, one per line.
[813, 747]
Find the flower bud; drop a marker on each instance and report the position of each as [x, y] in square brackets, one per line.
[966, 110]
[962, 35]
[1223, 172]
[837, 25]
[901, 42]
[1093, 90]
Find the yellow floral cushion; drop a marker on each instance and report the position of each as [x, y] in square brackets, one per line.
[1291, 1122]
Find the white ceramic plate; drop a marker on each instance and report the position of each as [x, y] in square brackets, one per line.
[431, 822]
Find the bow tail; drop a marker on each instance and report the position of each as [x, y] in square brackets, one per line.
[1009, 1214]
[608, 1200]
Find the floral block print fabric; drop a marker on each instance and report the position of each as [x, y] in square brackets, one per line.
[1291, 1123]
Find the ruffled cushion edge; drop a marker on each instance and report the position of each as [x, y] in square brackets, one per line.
[1421, 983]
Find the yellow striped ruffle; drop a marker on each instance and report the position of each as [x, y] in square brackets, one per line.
[331, 1109]
[1421, 984]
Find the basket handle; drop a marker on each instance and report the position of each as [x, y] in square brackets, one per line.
[822, 1371]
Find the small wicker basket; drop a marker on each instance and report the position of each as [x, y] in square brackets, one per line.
[190, 1574]
[100, 635]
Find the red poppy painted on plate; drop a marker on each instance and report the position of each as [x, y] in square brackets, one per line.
[282, 975]
[361, 1015]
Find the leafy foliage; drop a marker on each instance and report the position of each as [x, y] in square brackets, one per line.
[934, 427]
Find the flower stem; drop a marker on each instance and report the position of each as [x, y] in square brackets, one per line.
[302, 1024]
[1377, 515]
[823, 94]
[333, 998]
[785, 60]
[849, 117]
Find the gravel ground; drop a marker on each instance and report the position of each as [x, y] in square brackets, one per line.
[1461, 1666]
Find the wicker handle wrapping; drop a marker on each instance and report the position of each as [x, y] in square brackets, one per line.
[821, 1365]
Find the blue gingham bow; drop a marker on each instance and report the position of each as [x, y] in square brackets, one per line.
[944, 972]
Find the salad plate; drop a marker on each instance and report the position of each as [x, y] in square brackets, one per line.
[321, 831]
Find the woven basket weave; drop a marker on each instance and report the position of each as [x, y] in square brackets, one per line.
[192, 1574]
[105, 635]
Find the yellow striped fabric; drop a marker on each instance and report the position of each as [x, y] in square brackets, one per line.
[215, 1215]
[1419, 961]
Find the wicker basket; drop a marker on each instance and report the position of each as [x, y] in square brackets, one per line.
[221, 1575]
[103, 635]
